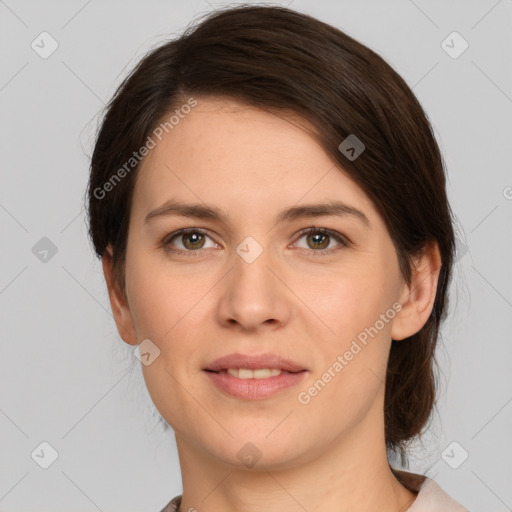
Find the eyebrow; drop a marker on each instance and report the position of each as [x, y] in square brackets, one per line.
[203, 211]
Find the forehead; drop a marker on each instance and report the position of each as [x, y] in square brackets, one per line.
[230, 135]
[239, 157]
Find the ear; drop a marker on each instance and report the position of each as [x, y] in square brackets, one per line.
[120, 308]
[417, 299]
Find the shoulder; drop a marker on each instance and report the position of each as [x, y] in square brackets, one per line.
[430, 496]
[173, 505]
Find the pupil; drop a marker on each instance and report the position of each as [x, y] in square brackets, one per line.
[319, 238]
[194, 238]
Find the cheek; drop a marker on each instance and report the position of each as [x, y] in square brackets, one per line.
[162, 302]
[163, 311]
[168, 310]
[351, 304]
[351, 369]
[348, 302]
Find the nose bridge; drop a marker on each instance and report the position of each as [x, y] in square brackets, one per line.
[250, 250]
[252, 295]
[251, 261]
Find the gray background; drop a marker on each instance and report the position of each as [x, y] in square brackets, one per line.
[65, 373]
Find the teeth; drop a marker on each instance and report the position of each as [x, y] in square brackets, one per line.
[260, 373]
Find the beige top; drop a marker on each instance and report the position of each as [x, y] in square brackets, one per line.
[430, 497]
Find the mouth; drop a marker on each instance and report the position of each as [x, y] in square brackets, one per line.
[257, 373]
[259, 365]
[254, 377]
[254, 383]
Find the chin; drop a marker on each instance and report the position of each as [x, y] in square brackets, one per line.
[257, 451]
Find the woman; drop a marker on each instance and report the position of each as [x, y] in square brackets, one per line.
[268, 201]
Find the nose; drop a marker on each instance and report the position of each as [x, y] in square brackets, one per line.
[253, 293]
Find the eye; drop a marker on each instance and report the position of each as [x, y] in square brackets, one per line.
[191, 239]
[319, 239]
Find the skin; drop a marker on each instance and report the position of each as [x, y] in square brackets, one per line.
[329, 454]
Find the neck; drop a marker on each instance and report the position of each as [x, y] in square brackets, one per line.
[349, 474]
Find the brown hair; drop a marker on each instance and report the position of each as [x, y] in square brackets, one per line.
[282, 60]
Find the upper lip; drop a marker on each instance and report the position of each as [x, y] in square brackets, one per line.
[254, 362]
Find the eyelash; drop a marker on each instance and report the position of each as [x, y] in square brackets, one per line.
[334, 234]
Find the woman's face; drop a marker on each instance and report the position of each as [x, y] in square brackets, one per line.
[252, 284]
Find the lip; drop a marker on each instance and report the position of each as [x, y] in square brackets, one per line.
[254, 362]
[254, 389]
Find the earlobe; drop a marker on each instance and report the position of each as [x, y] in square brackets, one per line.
[418, 297]
[120, 308]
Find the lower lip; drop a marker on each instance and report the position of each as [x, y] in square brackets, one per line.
[254, 389]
